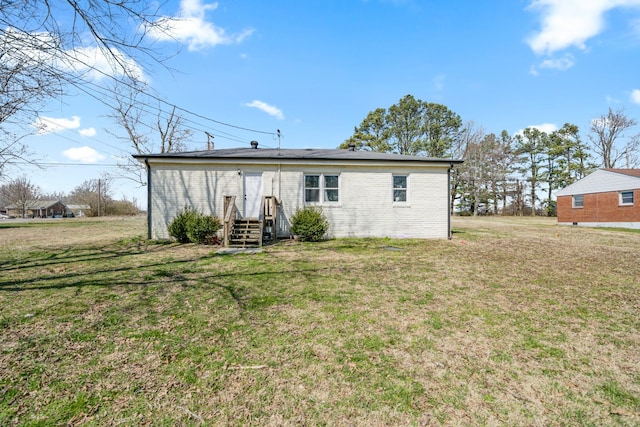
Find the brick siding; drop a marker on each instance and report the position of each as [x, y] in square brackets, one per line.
[599, 207]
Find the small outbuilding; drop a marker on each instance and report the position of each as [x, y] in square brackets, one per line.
[604, 198]
[362, 193]
[77, 211]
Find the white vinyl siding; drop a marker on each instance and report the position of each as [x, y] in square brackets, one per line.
[601, 181]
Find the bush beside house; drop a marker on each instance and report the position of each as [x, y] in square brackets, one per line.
[191, 226]
[310, 224]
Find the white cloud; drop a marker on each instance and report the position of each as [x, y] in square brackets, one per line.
[83, 154]
[192, 28]
[544, 127]
[269, 109]
[567, 23]
[35, 49]
[93, 62]
[635, 96]
[87, 132]
[561, 64]
[52, 125]
[558, 64]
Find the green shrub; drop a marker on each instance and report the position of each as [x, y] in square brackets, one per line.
[203, 229]
[192, 226]
[310, 224]
[179, 225]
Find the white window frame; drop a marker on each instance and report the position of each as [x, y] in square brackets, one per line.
[405, 189]
[576, 205]
[621, 198]
[322, 188]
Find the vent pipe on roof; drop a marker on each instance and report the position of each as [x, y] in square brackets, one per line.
[352, 147]
[254, 145]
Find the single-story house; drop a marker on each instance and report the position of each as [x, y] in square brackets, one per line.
[38, 209]
[604, 198]
[362, 193]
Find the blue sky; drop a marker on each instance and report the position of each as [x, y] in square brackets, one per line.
[314, 70]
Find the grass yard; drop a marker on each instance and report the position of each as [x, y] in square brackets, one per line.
[514, 322]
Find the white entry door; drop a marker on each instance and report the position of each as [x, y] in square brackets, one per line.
[252, 194]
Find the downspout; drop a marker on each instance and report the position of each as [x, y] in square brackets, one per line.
[449, 213]
[146, 162]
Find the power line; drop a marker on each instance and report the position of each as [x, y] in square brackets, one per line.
[155, 97]
[56, 164]
[99, 93]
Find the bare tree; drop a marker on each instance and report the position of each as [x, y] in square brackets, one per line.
[132, 115]
[489, 161]
[606, 133]
[25, 85]
[93, 192]
[48, 44]
[19, 192]
[468, 137]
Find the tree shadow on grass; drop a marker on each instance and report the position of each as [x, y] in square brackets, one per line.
[70, 255]
[168, 272]
[136, 270]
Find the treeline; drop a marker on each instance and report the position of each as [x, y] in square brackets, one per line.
[507, 174]
[95, 193]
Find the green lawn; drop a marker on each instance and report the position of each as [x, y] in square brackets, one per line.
[515, 321]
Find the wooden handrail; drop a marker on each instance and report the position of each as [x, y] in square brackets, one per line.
[261, 215]
[229, 217]
[269, 210]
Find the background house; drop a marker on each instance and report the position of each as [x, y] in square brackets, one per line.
[362, 193]
[605, 198]
[37, 209]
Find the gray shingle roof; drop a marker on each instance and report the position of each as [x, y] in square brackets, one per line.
[294, 154]
[36, 204]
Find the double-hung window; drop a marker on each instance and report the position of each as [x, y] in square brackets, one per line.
[626, 197]
[399, 188]
[578, 201]
[331, 189]
[321, 188]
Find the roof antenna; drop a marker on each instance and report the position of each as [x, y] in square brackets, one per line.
[210, 143]
[278, 138]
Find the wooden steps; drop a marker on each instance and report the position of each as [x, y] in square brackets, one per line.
[247, 233]
[250, 232]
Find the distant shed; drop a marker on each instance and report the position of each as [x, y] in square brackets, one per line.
[77, 211]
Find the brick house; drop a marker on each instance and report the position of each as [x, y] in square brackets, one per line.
[605, 198]
[37, 209]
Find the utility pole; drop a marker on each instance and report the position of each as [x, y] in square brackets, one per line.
[628, 159]
[278, 138]
[98, 196]
[210, 143]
